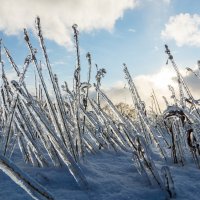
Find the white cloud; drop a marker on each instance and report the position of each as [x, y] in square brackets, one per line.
[159, 82]
[119, 92]
[132, 30]
[57, 16]
[161, 1]
[167, 1]
[184, 29]
[11, 75]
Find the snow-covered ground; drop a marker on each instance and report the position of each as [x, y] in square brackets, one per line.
[111, 176]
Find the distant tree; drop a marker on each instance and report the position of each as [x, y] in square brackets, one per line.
[125, 109]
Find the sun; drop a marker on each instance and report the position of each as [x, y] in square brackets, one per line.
[163, 78]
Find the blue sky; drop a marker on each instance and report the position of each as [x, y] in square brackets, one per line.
[135, 37]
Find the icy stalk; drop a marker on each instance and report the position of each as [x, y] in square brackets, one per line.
[34, 189]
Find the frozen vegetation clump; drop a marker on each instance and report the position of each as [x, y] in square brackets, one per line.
[70, 128]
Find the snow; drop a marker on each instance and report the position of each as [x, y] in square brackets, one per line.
[110, 176]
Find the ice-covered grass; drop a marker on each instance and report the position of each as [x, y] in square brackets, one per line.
[69, 147]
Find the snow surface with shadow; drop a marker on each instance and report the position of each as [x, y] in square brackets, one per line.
[111, 176]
